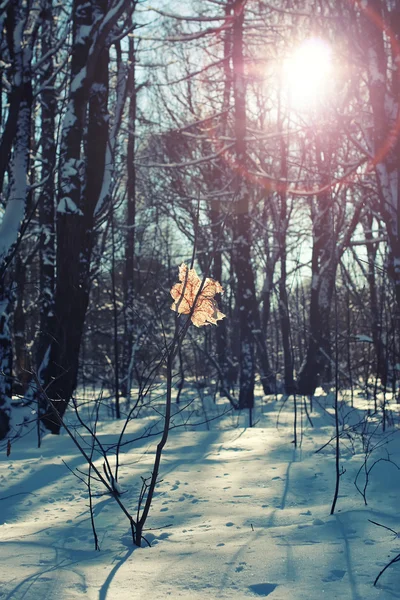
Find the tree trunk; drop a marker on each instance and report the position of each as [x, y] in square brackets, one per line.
[281, 229]
[80, 186]
[221, 332]
[245, 295]
[21, 365]
[5, 358]
[285, 329]
[384, 89]
[129, 273]
[376, 324]
[323, 268]
[47, 250]
[16, 204]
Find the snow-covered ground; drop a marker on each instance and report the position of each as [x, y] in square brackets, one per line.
[240, 513]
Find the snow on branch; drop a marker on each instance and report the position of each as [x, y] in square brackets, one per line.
[196, 19]
[189, 163]
[68, 206]
[185, 37]
[44, 59]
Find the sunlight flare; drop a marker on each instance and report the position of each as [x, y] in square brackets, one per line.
[308, 73]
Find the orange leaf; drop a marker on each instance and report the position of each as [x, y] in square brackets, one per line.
[205, 311]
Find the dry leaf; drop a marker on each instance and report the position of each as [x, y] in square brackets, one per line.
[206, 309]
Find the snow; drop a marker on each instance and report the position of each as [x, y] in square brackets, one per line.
[67, 205]
[11, 223]
[78, 80]
[16, 204]
[239, 513]
[70, 117]
[123, 81]
[391, 107]
[375, 74]
[363, 338]
[70, 168]
[83, 33]
[44, 363]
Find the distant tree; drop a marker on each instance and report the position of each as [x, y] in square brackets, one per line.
[379, 37]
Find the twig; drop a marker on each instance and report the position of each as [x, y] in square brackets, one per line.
[384, 526]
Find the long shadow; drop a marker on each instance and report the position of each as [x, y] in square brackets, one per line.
[28, 582]
[287, 480]
[262, 589]
[26, 587]
[106, 585]
[191, 455]
[347, 552]
[267, 525]
[210, 438]
[36, 481]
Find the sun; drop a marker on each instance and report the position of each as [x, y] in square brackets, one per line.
[308, 74]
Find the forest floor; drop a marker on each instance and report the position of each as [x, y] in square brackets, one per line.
[240, 513]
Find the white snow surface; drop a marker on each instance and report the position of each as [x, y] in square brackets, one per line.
[68, 206]
[239, 512]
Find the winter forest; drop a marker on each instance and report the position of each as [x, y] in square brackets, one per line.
[199, 299]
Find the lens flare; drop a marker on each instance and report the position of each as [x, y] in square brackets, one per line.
[308, 74]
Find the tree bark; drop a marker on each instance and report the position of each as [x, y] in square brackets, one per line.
[21, 366]
[20, 55]
[81, 179]
[382, 59]
[323, 268]
[47, 250]
[245, 294]
[376, 318]
[130, 238]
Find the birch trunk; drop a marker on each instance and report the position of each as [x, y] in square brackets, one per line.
[129, 274]
[383, 69]
[20, 53]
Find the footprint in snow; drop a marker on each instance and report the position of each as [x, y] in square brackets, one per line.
[335, 575]
[262, 589]
[352, 533]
